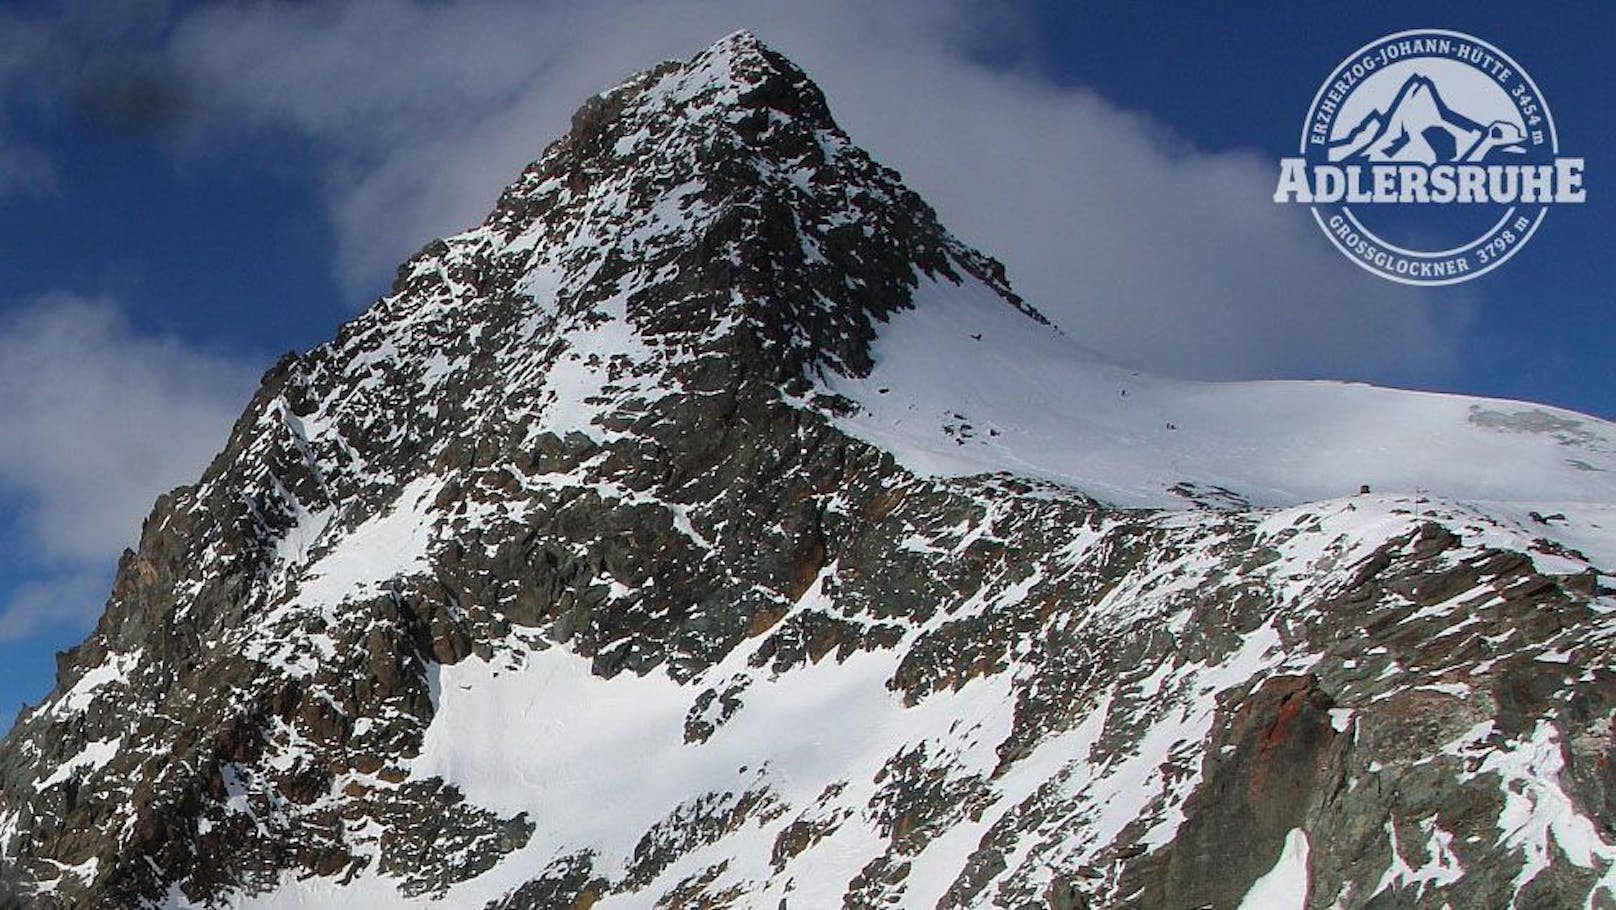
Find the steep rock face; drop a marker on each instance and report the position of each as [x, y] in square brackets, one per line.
[565, 577]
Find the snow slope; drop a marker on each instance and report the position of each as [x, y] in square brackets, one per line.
[964, 384]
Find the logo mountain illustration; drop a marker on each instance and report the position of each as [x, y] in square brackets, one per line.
[1418, 126]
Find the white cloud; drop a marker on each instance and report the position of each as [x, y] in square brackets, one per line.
[72, 598]
[1142, 248]
[98, 420]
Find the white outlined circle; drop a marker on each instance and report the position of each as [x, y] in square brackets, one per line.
[1437, 101]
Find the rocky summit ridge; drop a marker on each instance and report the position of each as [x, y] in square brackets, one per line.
[606, 562]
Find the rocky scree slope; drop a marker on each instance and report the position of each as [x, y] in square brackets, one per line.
[566, 576]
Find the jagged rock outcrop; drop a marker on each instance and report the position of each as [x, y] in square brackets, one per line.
[560, 578]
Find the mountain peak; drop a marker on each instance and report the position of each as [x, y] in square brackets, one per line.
[731, 166]
[741, 45]
[718, 91]
[718, 86]
[740, 41]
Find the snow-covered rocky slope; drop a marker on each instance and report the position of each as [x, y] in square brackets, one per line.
[710, 528]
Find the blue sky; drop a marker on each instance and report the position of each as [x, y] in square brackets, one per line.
[186, 191]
